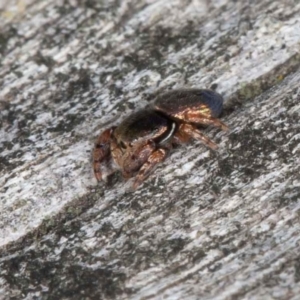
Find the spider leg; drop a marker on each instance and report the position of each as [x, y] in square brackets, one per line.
[193, 132]
[102, 154]
[181, 137]
[153, 160]
[203, 117]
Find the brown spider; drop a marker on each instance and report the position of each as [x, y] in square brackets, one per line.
[144, 138]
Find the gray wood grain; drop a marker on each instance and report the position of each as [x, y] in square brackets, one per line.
[207, 224]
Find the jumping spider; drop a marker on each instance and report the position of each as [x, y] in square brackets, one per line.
[144, 138]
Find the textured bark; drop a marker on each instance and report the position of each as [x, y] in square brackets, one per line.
[207, 224]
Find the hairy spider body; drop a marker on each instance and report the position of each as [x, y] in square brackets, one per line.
[143, 139]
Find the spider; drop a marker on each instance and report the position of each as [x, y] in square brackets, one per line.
[144, 139]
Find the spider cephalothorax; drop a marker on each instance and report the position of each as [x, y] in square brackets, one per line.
[144, 138]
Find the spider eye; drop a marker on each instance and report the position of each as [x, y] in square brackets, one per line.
[100, 146]
[122, 144]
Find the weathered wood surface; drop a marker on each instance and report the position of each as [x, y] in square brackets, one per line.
[206, 225]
